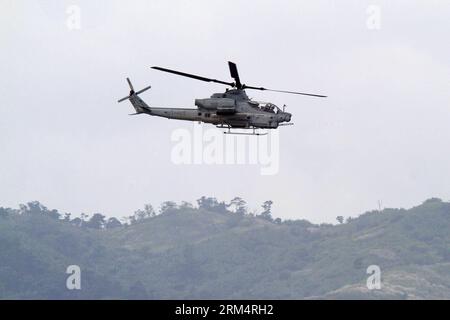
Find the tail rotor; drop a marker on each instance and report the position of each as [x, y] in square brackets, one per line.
[132, 92]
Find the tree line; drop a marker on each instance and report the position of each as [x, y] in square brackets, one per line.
[236, 206]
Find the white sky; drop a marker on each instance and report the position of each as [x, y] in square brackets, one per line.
[382, 134]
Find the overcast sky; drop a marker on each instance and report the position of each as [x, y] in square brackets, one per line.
[382, 134]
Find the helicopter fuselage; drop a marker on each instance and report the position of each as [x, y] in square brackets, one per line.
[232, 108]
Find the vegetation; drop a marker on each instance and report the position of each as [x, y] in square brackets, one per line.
[219, 250]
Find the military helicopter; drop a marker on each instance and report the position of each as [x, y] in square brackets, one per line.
[232, 109]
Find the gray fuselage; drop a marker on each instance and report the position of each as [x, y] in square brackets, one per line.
[232, 108]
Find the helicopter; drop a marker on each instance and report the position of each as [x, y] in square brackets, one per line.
[232, 109]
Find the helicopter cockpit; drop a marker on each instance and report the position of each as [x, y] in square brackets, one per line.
[265, 106]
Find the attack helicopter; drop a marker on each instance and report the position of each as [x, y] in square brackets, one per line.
[231, 109]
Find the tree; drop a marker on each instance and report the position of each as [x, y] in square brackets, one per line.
[349, 219]
[84, 217]
[239, 205]
[77, 222]
[207, 203]
[139, 215]
[147, 212]
[54, 214]
[125, 221]
[96, 222]
[221, 207]
[211, 204]
[67, 216]
[186, 205]
[167, 206]
[340, 219]
[112, 223]
[33, 207]
[131, 219]
[267, 206]
[267, 210]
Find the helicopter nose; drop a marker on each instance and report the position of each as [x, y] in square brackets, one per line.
[287, 117]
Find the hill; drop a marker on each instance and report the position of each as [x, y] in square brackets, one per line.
[212, 253]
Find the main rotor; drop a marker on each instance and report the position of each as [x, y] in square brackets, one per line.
[237, 82]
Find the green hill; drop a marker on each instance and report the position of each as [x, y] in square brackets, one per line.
[212, 253]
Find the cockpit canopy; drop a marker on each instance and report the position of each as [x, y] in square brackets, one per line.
[265, 106]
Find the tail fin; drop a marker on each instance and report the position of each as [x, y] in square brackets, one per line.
[139, 105]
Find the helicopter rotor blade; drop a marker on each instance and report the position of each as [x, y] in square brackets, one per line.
[234, 74]
[283, 91]
[193, 76]
[123, 99]
[129, 83]
[145, 89]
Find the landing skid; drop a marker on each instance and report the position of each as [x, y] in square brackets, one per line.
[254, 133]
[246, 133]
